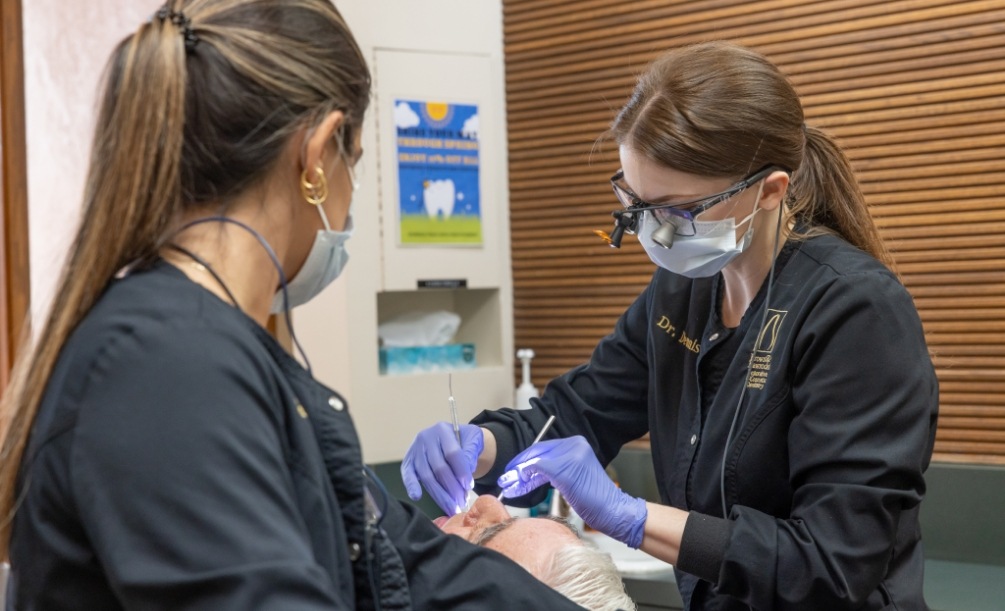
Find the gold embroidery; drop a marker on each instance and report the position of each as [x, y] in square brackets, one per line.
[760, 361]
[691, 344]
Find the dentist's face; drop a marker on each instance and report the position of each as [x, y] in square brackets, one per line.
[530, 542]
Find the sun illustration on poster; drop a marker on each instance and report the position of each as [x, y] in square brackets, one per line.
[437, 114]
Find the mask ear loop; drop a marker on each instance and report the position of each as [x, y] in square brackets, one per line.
[750, 361]
[275, 262]
[750, 219]
[345, 156]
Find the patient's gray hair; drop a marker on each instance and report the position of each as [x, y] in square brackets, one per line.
[587, 577]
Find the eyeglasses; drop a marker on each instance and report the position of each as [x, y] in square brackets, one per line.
[681, 215]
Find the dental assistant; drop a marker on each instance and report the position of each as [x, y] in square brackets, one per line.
[162, 450]
[777, 363]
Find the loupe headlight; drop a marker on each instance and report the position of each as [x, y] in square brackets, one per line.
[624, 220]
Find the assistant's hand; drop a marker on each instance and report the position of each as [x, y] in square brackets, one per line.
[437, 462]
[571, 467]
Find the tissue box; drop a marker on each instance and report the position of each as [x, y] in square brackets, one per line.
[425, 359]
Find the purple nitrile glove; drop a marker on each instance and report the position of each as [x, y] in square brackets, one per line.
[571, 467]
[437, 463]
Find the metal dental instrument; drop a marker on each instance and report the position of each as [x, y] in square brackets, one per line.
[457, 433]
[453, 407]
[544, 429]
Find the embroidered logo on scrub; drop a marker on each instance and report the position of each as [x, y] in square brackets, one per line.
[691, 343]
[760, 361]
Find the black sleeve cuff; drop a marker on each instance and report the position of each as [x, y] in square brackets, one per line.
[703, 546]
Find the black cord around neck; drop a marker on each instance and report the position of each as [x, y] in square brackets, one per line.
[209, 268]
[275, 261]
[750, 361]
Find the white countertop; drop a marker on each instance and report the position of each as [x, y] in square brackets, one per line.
[629, 561]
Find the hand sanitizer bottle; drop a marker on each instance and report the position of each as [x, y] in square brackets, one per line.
[521, 400]
[526, 390]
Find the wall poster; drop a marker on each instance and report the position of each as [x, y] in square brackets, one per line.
[438, 167]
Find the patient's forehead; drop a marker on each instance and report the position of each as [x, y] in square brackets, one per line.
[525, 527]
[489, 518]
[530, 542]
[537, 528]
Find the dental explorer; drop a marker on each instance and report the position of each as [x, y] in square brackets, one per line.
[453, 407]
[471, 497]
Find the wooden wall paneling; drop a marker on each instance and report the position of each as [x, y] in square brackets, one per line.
[911, 88]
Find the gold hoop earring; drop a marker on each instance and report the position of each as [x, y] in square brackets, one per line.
[314, 194]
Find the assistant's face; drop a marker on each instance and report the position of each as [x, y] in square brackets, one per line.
[530, 542]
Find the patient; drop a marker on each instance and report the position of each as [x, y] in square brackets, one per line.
[547, 548]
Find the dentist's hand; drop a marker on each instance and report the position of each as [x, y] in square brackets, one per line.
[437, 462]
[571, 467]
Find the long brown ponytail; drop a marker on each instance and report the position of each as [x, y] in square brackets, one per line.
[182, 124]
[825, 196]
[132, 184]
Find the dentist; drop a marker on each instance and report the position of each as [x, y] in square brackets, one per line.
[775, 359]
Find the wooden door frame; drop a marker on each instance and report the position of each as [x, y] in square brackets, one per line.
[15, 281]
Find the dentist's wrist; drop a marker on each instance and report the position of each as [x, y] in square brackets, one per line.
[488, 456]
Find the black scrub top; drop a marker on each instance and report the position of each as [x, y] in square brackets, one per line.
[181, 459]
[836, 402]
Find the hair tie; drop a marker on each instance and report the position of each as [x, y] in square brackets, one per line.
[182, 22]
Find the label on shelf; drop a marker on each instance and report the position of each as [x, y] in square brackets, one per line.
[444, 283]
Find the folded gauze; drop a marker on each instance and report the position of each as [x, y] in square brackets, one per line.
[419, 329]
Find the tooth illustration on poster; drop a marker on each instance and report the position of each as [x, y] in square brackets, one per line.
[438, 197]
[438, 173]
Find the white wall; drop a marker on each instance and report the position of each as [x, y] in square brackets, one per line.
[66, 45]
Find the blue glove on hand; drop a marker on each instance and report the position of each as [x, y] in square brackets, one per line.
[571, 467]
[442, 466]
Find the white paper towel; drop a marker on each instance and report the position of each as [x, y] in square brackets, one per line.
[419, 329]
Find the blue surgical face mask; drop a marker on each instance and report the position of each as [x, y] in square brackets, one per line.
[325, 262]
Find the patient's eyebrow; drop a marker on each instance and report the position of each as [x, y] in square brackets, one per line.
[490, 532]
[566, 523]
[486, 535]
